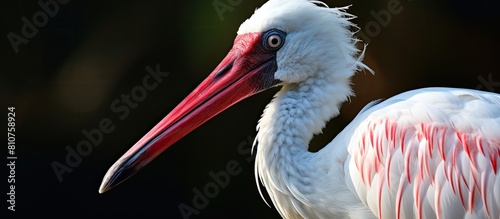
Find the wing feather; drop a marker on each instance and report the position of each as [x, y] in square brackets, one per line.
[429, 153]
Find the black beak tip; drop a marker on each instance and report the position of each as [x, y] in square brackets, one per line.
[119, 172]
[109, 180]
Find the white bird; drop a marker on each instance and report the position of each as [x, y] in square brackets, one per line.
[427, 153]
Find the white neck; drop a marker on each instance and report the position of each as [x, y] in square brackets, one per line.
[283, 163]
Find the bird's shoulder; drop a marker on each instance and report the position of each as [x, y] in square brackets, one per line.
[467, 111]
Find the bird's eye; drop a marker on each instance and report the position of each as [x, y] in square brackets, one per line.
[274, 41]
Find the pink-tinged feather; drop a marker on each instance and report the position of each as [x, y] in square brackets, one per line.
[366, 175]
[376, 165]
[403, 135]
[437, 201]
[484, 192]
[494, 164]
[393, 136]
[450, 177]
[476, 185]
[407, 165]
[371, 137]
[458, 178]
[453, 163]
[378, 148]
[379, 197]
[459, 185]
[418, 199]
[441, 146]
[421, 162]
[384, 140]
[399, 196]
[387, 129]
[480, 144]
[388, 169]
[445, 171]
[472, 193]
[466, 183]
[495, 155]
[427, 170]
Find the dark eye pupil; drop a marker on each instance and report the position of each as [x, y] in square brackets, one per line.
[274, 41]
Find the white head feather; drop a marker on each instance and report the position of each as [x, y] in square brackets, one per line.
[318, 38]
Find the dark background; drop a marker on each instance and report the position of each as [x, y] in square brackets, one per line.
[65, 78]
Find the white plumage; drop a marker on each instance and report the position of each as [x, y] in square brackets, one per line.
[427, 153]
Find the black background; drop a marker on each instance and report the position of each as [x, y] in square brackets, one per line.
[65, 78]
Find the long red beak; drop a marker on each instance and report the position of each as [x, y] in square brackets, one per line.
[247, 69]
